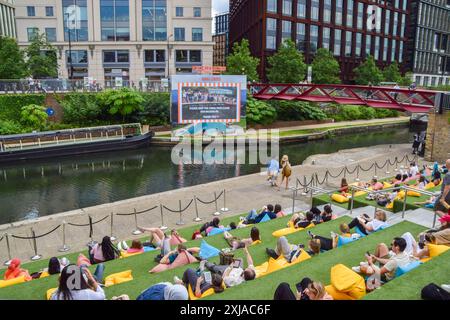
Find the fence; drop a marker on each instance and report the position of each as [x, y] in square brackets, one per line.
[135, 214]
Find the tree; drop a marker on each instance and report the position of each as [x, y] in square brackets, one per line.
[42, 58]
[12, 64]
[260, 112]
[368, 73]
[33, 116]
[392, 73]
[325, 67]
[242, 62]
[287, 65]
[406, 80]
[123, 101]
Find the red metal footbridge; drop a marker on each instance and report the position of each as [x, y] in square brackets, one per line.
[411, 100]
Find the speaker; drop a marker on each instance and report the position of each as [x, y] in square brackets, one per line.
[442, 102]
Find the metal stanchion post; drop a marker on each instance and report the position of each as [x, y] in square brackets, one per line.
[8, 248]
[162, 227]
[64, 247]
[36, 255]
[434, 219]
[111, 227]
[197, 219]
[376, 176]
[217, 213]
[181, 222]
[293, 201]
[396, 164]
[136, 231]
[357, 173]
[91, 233]
[224, 209]
[304, 186]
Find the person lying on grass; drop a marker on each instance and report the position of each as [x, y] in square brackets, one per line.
[421, 183]
[427, 203]
[331, 243]
[78, 283]
[236, 243]
[215, 223]
[298, 220]
[367, 225]
[54, 267]
[158, 239]
[306, 290]
[327, 214]
[164, 291]
[440, 236]
[14, 271]
[253, 217]
[198, 283]
[289, 251]
[104, 251]
[397, 180]
[233, 274]
[136, 247]
[383, 264]
[170, 257]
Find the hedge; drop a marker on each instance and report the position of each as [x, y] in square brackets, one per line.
[10, 104]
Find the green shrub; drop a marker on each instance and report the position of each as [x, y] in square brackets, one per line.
[33, 116]
[297, 110]
[367, 113]
[81, 109]
[260, 112]
[10, 127]
[156, 109]
[122, 102]
[10, 104]
[349, 112]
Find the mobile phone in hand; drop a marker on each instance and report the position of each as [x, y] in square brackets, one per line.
[207, 276]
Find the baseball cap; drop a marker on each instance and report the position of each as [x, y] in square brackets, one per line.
[445, 218]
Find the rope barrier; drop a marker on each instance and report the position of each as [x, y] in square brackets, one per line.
[352, 172]
[370, 168]
[340, 173]
[136, 212]
[35, 237]
[209, 202]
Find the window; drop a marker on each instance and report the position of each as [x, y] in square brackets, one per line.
[287, 7]
[272, 6]
[154, 20]
[50, 34]
[385, 49]
[179, 34]
[32, 33]
[337, 42]
[394, 43]
[154, 56]
[179, 11]
[349, 22]
[358, 44]
[197, 12]
[400, 52]
[78, 56]
[387, 22]
[405, 4]
[377, 48]
[338, 17]
[286, 31]
[359, 22]
[327, 11]
[49, 11]
[402, 28]
[348, 43]
[271, 34]
[75, 21]
[116, 56]
[326, 38]
[115, 20]
[181, 56]
[195, 56]
[197, 34]
[314, 38]
[301, 35]
[31, 11]
[368, 44]
[314, 9]
[301, 9]
[394, 32]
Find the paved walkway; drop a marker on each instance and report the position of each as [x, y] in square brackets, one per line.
[243, 193]
[331, 125]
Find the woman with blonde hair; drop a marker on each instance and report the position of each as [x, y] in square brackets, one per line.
[316, 291]
[286, 170]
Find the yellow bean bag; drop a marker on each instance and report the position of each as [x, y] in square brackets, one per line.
[10, 282]
[430, 185]
[390, 205]
[339, 198]
[274, 265]
[50, 293]
[117, 278]
[436, 249]
[336, 294]
[345, 280]
[289, 230]
[124, 254]
[387, 185]
[205, 294]
[254, 243]
[413, 193]
[44, 274]
[360, 193]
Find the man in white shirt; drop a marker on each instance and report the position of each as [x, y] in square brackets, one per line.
[413, 169]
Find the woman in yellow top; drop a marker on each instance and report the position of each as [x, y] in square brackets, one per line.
[286, 170]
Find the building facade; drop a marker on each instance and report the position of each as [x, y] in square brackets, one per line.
[429, 44]
[7, 21]
[220, 38]
[134, 40]
[350, 29]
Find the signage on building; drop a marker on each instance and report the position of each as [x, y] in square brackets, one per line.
[165, 82]
[73, 17]
[116, 71]
[119, 81]
[198, 99]
[209, 69]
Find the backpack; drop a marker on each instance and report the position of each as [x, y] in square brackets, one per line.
[226, 258]
[287, 170]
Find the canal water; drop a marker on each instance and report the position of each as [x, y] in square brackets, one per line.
[30, 190]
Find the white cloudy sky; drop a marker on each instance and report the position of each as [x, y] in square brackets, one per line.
[219, 6]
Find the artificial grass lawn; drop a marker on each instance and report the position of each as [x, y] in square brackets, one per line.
[409, 286]
[317, 268]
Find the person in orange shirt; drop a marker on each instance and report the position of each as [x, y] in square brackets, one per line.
[14, 271]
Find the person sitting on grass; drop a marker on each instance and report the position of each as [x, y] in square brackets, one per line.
[54, 267]
[215, 223]
[440, 236]
[376, 185]
[344, 187]
[164, 291]
[299, 220]
[327, 214]
[421, 183]
[383, 264]
[278, 211]
[427, 203]
[104, 251]
[253, 217]
[331, 243]
[14, 271]
[198, 283]
[158, 239]
[236, 243]
[289, 251]
[367, 225]
[397, 180]
[88, 287]
[306, 290]
[233, 274]
[413, 170]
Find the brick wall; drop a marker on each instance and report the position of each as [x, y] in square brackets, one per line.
[438, 137]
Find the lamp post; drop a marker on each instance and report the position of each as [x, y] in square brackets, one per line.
[70, 48]
[168, 56]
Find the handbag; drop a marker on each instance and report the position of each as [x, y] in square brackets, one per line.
[226, 258]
